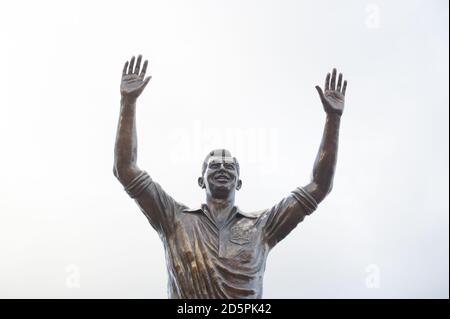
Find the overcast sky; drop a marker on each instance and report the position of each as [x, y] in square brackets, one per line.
[238, 75]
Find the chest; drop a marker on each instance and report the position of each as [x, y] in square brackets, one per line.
[239, 241]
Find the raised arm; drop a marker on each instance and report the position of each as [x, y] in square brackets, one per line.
[282, 218]
[333, 103]
[125, 152]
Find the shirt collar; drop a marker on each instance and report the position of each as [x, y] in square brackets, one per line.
[201, 209]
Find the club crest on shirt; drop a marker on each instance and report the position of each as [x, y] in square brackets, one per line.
[241, 233]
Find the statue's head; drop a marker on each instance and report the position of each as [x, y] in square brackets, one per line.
[220, 174]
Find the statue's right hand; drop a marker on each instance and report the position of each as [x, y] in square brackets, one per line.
[133, 79]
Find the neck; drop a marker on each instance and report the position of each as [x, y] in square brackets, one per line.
[219, 203]
[220, 208]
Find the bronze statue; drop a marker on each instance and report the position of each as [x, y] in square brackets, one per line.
[217, 250]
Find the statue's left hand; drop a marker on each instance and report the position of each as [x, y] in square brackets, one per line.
[133, 79]
[334, 97]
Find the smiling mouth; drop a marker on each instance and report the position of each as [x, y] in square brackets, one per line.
[222, 178]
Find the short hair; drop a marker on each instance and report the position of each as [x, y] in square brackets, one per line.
[219, 153]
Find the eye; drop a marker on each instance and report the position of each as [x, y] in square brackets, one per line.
[229, 166]
[214, 165]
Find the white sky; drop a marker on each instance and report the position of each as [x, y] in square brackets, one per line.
[233, 74]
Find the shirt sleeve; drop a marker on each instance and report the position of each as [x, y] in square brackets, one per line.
[285, 216]
[159, 207]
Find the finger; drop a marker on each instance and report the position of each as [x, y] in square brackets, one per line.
[138, 64]
[333, 80]
[125, 67]
[327, 82]
[319, 90]
[145, 82]
[344, 88]
[144, 69]
[339, 84]
[131, 66]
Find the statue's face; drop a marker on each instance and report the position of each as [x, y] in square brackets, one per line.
[221, 177]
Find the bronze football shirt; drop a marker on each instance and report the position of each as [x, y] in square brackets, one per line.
[204, 261]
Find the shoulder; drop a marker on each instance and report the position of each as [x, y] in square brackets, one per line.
[254, 214]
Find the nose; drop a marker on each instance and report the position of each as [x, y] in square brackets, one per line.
[222, 168]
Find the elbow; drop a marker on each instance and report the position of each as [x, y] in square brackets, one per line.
[323, 183]
[124, 172]
[320, 190]
[115, 172]
[328, 188]
[325, 188]
[117, 169]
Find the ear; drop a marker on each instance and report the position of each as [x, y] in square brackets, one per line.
[201, 182]
[239, 185]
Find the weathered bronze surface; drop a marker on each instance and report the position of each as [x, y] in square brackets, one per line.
[217, 250]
